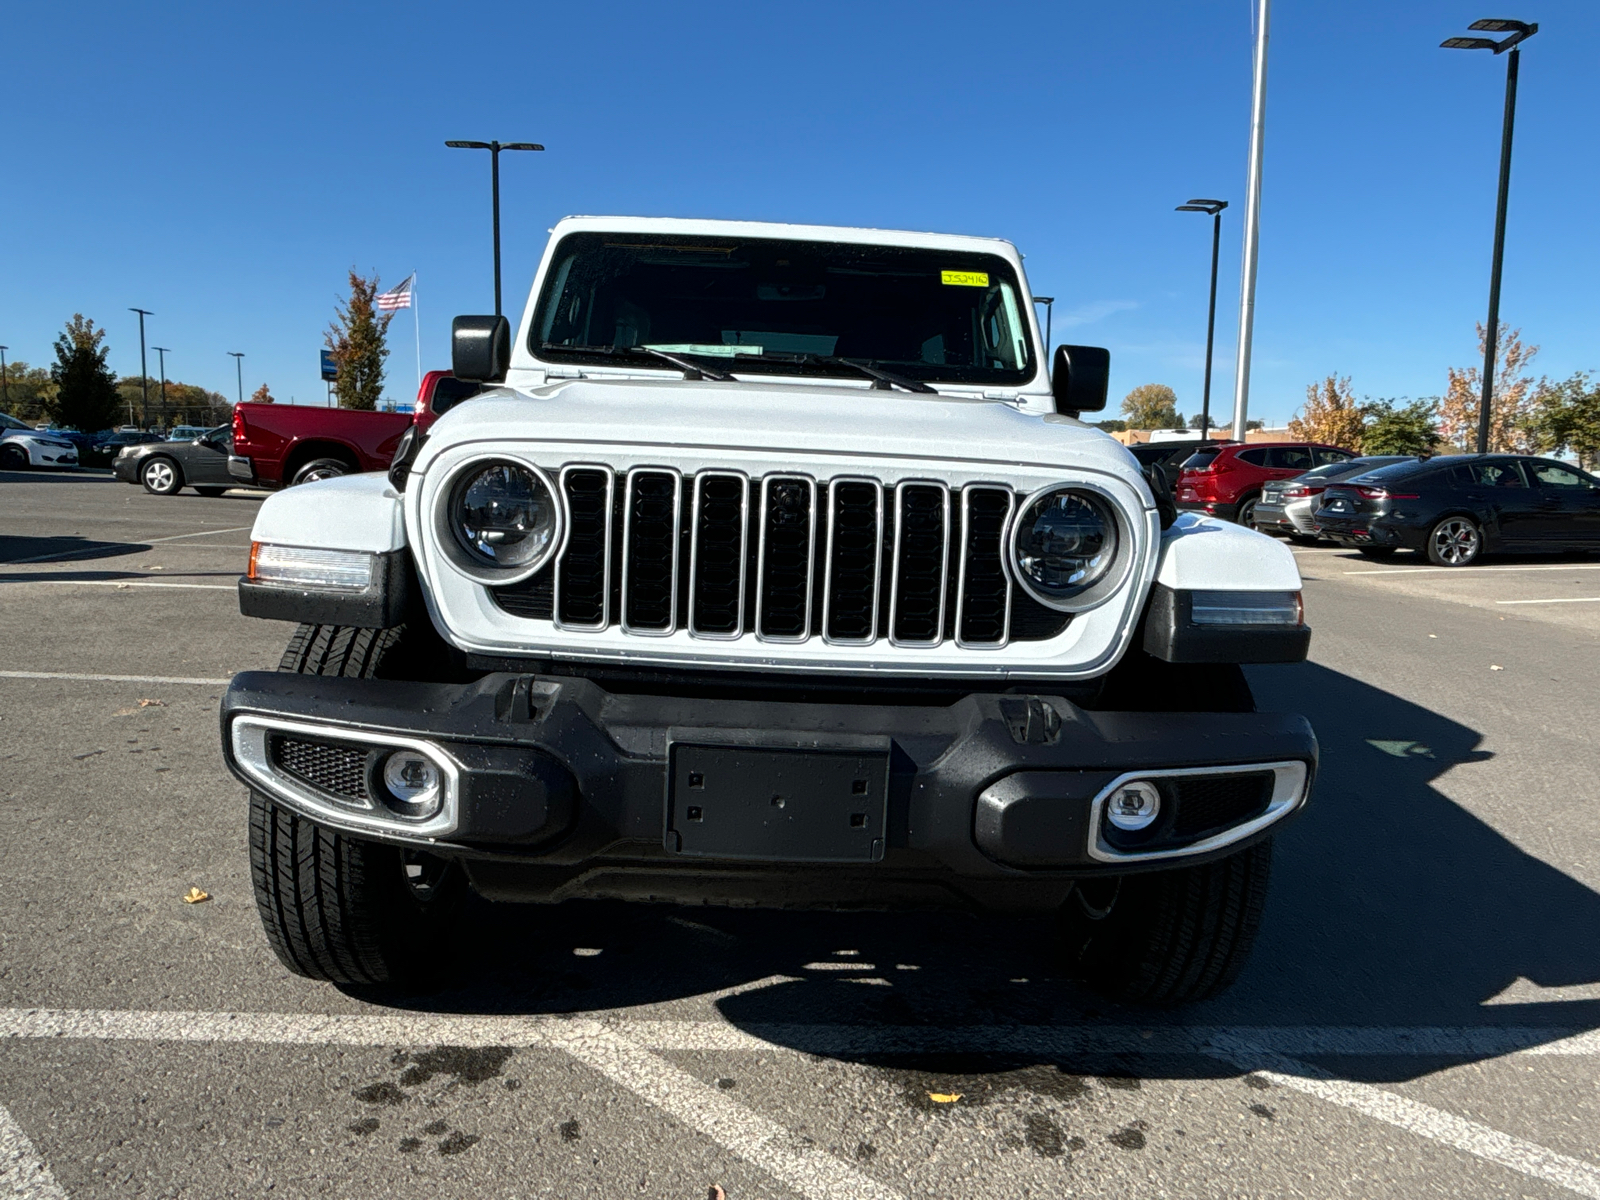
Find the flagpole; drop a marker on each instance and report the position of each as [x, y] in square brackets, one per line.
[416, 330]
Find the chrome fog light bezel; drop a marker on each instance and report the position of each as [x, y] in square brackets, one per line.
[446, 526]
[1132, 820]
[1102, 589]
[248, 740]
[1290, 787]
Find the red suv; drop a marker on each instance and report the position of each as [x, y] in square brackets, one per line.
[1225, 480]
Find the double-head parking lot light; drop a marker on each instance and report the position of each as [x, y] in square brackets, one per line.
[494, 149]
[1520, 31]
[1214, 208]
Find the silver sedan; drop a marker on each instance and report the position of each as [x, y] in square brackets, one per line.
[1286, 505]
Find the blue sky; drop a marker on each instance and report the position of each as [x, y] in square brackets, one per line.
[225, 165]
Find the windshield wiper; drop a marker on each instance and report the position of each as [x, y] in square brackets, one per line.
[691, 370]
[881, 379]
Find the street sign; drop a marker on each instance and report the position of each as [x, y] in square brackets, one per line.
[330, 369]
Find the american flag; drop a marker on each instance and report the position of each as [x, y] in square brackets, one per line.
[399, 298]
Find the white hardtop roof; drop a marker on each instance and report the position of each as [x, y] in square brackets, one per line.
[779, 229]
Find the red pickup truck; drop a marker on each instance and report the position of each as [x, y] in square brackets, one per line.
[279, 445]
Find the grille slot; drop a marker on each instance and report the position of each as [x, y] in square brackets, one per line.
[921, 553]
[650, 551]
[855, 540]
[1207, 803]
[717, 556]
[983, 602]
[786, 557]
[327, 766]
[582, 598]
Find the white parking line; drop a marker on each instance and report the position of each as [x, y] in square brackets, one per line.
[113, 678]
[177, 537]
[1561, 600]
[118, 583]
[23, 1174]
[1528, 1158]
[622, 1050]
[1466, 571]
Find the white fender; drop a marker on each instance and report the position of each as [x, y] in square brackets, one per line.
[349, 512]
[1205, 554]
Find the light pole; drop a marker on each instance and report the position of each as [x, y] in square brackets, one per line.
[1252, 223]
[494, 149]
[5, 388]
[1520, 32]
[238, 362]
[162, 352]
[144, 371]
[1214, 207]
[1049, 303]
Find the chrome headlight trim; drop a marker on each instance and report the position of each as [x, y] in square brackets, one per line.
[444, 523]
[1123, 555]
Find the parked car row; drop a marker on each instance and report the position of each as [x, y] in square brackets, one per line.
[22, 446]
[1453, 509]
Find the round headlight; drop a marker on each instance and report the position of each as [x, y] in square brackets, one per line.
[1063, 544]
[504, 515]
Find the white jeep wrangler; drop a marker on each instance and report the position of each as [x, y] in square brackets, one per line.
[771, 567]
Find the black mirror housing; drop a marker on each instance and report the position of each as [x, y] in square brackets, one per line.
[480, 348]
[1080, 379]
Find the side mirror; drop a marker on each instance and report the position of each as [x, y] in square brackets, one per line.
[480, 348]
[1081, 376]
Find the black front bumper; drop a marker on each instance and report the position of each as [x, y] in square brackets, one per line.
[566, 789]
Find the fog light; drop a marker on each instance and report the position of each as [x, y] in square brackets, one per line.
[1134, 806]
[414, 784]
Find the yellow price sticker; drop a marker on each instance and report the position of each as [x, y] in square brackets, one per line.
[964, 278]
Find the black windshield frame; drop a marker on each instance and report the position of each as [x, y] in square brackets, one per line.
[701, 287]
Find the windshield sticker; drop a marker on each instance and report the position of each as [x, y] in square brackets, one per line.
[721, 351]
[964, 278]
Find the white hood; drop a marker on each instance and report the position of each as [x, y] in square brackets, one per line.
[806, 419]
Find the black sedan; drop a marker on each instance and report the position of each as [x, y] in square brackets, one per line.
[1455, 509]
[166, 467]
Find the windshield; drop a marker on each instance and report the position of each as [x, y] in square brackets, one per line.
[12, 423]
[780, 307]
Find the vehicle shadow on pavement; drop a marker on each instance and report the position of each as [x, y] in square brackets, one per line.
[1391, 906]
[66, 548]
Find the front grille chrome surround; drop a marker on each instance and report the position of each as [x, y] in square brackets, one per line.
[779, 515]
[705, 553]
[577, 480]
[834, 570]
[906, 576]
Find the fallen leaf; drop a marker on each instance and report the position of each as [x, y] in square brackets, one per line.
[944, 1097]
[152, 704]
[1433, 635]
[1496, 667]
[195, 896]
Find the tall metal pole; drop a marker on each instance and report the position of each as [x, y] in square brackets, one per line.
[161, 352]
[1491, 335]
[1252, 232]
[5, 389]
[494, 179]
[1211, 325]
[144, 371]
[238, 361]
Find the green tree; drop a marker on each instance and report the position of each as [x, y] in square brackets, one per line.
[86, 391]
[1152, 406]
[1402, 429]
[1566, 416]
[358, 339]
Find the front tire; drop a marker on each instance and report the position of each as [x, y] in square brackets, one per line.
[336, 907]
[1167, 937]
[13, 458]
[161, 476]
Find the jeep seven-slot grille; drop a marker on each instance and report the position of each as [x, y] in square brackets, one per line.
[784, 558]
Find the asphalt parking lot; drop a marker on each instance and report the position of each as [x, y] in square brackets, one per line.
[1421, 1016]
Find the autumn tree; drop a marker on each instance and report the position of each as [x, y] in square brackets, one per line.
[1152, 406]
[86, 390]
[1402, 429]
[358, 340]
[1566, 416]
[26, 390]
[262, 396]
[1331, 415]
[1509, 414]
